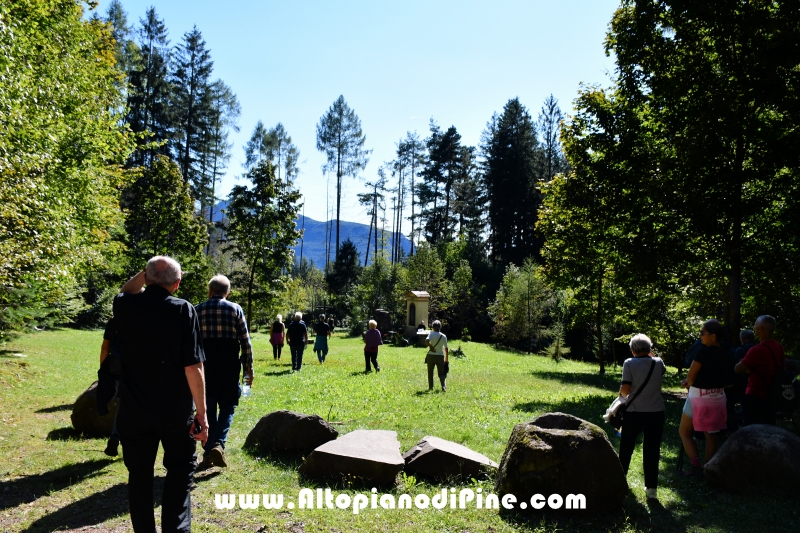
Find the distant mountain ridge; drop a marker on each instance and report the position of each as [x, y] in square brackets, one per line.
[313, 242]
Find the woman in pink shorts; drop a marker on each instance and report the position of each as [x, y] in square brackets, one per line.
[704, 410]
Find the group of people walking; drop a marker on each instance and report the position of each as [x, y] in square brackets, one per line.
[712, 377]
[296, 336]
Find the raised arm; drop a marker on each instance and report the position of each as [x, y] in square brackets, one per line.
[134, 285]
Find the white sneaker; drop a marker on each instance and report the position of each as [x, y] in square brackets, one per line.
[651, 494]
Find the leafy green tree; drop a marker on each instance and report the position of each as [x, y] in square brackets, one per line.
[260, 229]
[340, 138]
[149, 94]
[511, 174]
[521, 305]
[163, 223]
[426, 272]
[60, 156]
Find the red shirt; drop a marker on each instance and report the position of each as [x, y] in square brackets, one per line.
[761, 359]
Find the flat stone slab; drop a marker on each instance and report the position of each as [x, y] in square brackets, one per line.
[288, 431]
[370, 455]
[442, 460]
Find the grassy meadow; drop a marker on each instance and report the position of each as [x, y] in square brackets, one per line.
[54, 479]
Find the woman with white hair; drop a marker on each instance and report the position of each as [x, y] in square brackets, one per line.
[641, 384]
[438, 354]
[276, 337]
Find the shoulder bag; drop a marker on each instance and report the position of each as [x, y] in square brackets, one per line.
[615, 417]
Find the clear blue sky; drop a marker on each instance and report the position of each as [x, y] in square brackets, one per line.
[398, 64]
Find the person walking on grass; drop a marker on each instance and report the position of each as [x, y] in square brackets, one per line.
[641, 384]
[323, 333]
[226, 342]
[297, 337]
[162, 383]
[372, 340]
[277, 331]
[438, 355]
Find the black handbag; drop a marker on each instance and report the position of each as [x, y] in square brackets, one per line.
[617, 419]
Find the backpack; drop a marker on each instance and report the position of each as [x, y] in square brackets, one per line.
[782, 392]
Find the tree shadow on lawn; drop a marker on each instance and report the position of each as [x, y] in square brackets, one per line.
[600, 381]
[29, 488]
[55, 408]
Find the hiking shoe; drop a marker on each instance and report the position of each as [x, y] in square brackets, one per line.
[205, 464]
[652, 494]
[111, 447]
[216, 457]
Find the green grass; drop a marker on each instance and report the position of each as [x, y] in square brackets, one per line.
[52, 479]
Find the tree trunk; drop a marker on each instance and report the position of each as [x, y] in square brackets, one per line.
[599, 324]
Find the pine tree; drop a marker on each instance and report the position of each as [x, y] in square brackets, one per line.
[225, 110]
[150, 92]
[340, 138]
[193, 106]
[511, 174]
[549, 125]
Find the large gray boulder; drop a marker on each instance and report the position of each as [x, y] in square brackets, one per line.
[445, 460]
[85, 418]
[757, 457]
[561, 454]
[371, 456]
[287, 431]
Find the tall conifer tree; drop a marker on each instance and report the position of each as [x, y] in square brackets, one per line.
[512, 172]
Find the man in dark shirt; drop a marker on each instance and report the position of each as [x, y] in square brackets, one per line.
[224, 331]
[297, 337]
[162, 382]
[760, 364]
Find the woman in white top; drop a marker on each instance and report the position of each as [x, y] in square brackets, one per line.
[438, 355]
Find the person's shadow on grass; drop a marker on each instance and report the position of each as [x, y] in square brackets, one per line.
[26, 489]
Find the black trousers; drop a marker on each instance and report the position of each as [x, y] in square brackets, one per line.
[757, 410]
[139, 449]
[652, 425]
[371, 357]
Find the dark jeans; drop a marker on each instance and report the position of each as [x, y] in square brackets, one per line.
[439, 370]
[139, 449]
[218, 423]
[371, 357]
[297, 355]
[276, 351]
[757, 410]
[652, 425]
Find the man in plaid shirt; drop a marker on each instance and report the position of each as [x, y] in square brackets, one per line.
[224, 330]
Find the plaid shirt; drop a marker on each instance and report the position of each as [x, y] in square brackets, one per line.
[221, 319]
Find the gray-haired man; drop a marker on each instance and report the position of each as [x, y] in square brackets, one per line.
[161, 383]
[224, 331]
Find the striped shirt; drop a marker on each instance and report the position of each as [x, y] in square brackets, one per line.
[221, 319]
